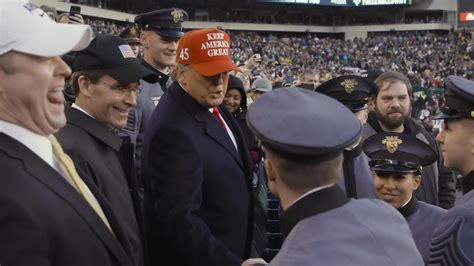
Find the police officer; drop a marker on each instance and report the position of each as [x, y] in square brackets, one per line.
[353, 92]
[161, 31]
[303, 163]
[397, 161]
[453, 238]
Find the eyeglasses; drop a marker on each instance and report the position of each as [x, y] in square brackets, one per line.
[122, 89]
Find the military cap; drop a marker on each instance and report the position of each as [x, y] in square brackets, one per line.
[296, 121]
[458, 99]
[352, 91]
[131, 34]
[166, 22]
[398, 153]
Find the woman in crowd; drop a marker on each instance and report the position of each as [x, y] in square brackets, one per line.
[236, 102]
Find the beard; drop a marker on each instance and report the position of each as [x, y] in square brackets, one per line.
[391, 123]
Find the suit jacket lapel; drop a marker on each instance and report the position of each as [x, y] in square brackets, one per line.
[54, 181]
[239, 137]
[93, 127]
[215, 130]
[212, 126]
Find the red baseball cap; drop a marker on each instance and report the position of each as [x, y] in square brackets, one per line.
[207, 51]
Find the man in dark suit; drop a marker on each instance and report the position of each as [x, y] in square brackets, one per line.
[453, 239]
[106, 86]
[197, 169]
[50, 214]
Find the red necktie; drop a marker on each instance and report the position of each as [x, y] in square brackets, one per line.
[215, 112]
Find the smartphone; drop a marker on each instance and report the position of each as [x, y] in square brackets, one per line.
[74, 10]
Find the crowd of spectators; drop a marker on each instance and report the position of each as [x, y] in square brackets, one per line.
[100, 26]
[427, 58]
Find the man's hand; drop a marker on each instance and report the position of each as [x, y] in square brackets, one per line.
[76, 19]
[252, 62]
[254, 262]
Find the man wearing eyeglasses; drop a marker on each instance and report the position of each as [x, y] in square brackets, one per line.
[106, 87]
[160, 32]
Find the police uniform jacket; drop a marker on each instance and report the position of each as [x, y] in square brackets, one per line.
[44, 221]
[358, 179]
[94, 149]
[327, 228]
[437, 187]
[453, 239]
[198, 197]
[422, 219]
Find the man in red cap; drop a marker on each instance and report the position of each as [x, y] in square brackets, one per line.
[196, 166]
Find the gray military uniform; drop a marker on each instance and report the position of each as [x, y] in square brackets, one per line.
[453, 239]
[422, 219]
[326, 228]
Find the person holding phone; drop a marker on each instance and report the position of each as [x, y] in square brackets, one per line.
[73, 17]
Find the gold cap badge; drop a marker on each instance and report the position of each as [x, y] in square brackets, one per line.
[177, 15]
[392, 143]
[349, 85]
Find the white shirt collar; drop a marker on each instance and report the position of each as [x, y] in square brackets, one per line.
[406, 202]
[74, 105]
[38, 144]
[309, 192]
